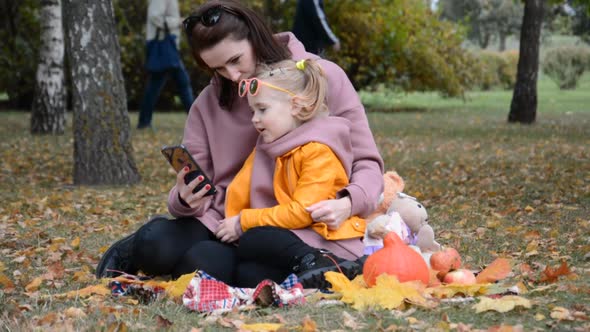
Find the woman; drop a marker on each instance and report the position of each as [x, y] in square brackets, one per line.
[229, 40]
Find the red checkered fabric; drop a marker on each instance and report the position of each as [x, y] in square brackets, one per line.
[206, 294]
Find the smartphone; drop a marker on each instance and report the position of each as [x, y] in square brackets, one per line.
[179, 157]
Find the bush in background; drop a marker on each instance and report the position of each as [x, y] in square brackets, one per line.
[399, 44]
[408, 48]
[496, 69]
[566, 65]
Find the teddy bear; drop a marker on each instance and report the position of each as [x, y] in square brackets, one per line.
[415, 217]
[400, 213]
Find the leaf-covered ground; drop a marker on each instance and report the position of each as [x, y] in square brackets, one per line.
[491, 189]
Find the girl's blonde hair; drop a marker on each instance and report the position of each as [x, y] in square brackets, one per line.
[305, 78]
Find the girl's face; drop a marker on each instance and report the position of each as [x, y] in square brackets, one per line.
[230, 58]
[273, 114]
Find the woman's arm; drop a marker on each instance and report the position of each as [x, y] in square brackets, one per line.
[181, 201]
[366, 181]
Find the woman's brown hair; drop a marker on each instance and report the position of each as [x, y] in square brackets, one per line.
[239, 22]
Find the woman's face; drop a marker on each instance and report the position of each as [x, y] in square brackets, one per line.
[232, 59]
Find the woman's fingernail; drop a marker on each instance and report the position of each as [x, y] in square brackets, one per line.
[200, 178]
[207, 187]
[185, 168]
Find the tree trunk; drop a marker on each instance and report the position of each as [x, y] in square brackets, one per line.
[523, 108]
[102, 144]
[502, 37]
[48, 113]
[484, 39]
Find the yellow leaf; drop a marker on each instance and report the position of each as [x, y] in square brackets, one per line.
[529, 209]
[176, 288]
[503, 304]
[82, 276]
[561, 313]
[72, 312]
[260, 327]
[34, 285]
[75, 243]
[309, 325]
[86, 292]
[388, 293]
[58, 240]
[448, 291]
[539, 317]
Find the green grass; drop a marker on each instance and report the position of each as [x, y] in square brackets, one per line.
[491, 189]
[551, 100]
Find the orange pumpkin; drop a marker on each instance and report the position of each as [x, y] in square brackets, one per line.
[395, 258]
[445, 260]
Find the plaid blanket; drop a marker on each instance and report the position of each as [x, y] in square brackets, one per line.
[206, 294]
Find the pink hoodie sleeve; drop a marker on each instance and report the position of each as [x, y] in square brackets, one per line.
[366, 183]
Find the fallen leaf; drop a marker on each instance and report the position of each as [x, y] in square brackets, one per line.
[48, 319]
[503, 304]
[82, 276]
[388, 292]
[86, 291]
[351, 322]
[551, 275]
[497, 270]
[506, 328]
[448, 291]
[309, 325]
[75, 243]
[539, 317]
[72, 312]
[561, 313]
[34, 285]
[6, 282]
[162, 323]
[261, 327]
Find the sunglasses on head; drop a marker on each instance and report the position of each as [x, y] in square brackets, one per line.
[209, 18]
[252, 85]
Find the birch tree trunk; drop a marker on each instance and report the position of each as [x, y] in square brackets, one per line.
[49, 108]
[102, 143]
[523, 107]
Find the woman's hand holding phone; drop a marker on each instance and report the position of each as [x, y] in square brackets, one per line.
[194, 200]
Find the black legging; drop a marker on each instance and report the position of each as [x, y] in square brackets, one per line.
[179, 246]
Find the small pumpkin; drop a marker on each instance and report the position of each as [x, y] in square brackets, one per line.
[445, 260]
[395, 258]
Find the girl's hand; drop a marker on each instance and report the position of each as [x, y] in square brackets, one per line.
[229, 230]
[185, 191]
[331, 212]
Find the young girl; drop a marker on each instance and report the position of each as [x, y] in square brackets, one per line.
[302, 156]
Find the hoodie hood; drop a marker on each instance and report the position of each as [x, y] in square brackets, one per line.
[295, 46]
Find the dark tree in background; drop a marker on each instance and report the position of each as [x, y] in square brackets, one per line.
[523, 107]
[102, 143]
[48, 115]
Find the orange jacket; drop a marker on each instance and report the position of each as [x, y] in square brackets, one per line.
[303, 176]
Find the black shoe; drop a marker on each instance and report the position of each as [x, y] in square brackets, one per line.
[311, 268]
[117, 259]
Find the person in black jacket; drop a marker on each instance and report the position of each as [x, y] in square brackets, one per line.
[311, 27]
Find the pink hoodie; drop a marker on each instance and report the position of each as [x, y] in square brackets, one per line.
[220, 141]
